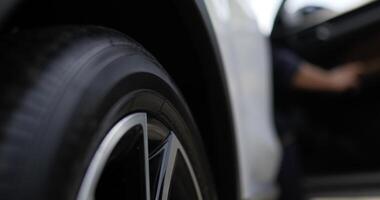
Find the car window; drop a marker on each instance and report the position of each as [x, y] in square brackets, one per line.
[305, 13]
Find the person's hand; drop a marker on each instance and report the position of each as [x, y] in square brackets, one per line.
[345, 77]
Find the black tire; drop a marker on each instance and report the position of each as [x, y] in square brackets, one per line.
[63, 88]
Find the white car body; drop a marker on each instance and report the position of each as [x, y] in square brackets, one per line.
[246, 58]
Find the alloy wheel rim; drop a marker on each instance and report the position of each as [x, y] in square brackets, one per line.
[160, 162]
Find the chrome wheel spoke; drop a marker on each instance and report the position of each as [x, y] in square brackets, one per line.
[166, 168]
[146, 159]
[164, 171]
[170, 150]
[91, 180]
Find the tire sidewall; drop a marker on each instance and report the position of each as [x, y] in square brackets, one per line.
[94, 98]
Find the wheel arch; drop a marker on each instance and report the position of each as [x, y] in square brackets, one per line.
[180, 35]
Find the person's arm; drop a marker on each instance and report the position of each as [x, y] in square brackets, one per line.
[342, 78]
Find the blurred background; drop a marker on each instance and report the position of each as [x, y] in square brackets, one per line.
[326, 80]
[266, 10]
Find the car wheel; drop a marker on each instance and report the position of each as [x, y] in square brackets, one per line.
[87, 113]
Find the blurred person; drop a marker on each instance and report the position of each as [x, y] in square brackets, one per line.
[297, 73]
[294, 73]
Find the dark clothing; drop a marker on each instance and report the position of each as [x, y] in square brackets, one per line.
[285, 65]
[290, 174]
